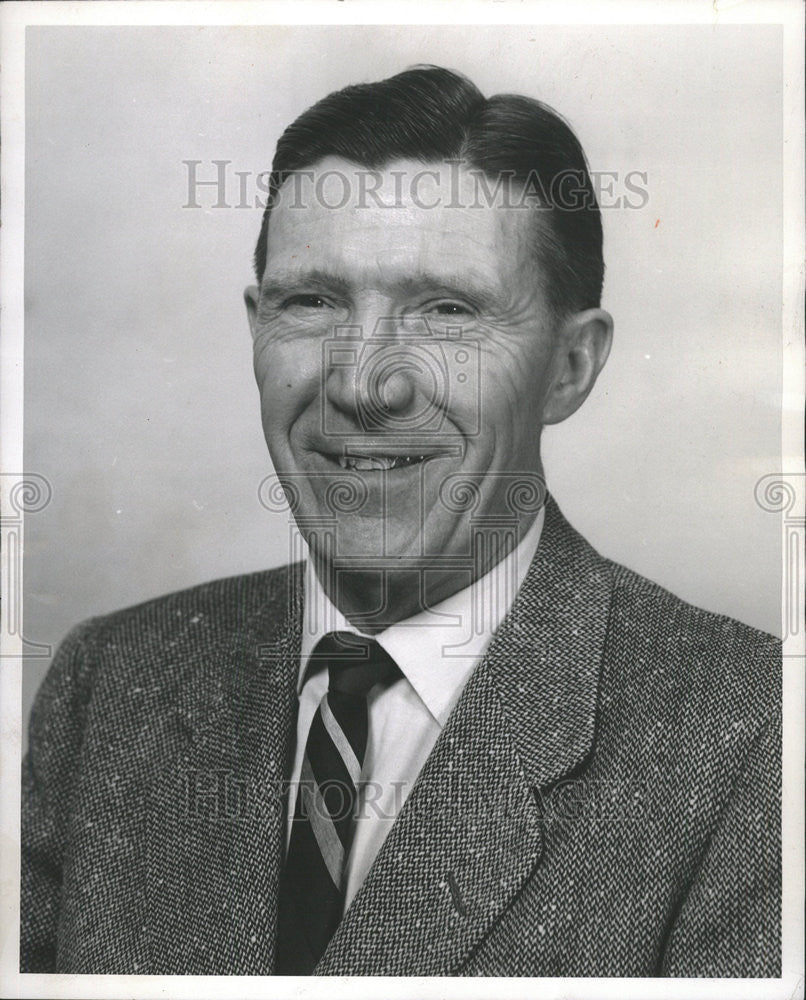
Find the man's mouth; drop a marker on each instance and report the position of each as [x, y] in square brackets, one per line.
[383, 463]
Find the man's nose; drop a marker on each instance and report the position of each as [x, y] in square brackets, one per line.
[374, 382]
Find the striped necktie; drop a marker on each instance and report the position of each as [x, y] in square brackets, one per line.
[311, 898]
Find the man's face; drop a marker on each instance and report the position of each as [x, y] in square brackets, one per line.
[401, 351]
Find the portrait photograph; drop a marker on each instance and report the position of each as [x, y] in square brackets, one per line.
[403, 500]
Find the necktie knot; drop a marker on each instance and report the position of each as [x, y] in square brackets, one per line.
[355, 663]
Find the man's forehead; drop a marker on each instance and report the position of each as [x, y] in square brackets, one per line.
[404, 212]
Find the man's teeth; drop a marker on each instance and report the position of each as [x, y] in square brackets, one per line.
[364, 463]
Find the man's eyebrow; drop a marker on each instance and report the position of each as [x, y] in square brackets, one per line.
[470, 286]
[278, 283]
[474, 287]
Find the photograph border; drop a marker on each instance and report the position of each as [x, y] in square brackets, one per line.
[20, 493]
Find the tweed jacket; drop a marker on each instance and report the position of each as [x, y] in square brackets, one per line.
[604, 799]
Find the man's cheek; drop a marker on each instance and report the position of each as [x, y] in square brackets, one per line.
[261, 356]
[514, 370]
[275, 366]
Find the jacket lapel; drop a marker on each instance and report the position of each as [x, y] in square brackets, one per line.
[216, 811]
[472, 829]
[546, 660]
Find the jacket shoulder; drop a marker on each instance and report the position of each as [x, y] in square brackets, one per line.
[648, 597]
[157, 644]
[699, 651]
[221, 604]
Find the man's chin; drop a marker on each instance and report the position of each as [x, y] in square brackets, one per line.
[364, 543]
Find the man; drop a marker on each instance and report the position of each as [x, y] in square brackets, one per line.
[460, 741]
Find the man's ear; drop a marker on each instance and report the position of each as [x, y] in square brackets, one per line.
[583, 345]
[251, 296]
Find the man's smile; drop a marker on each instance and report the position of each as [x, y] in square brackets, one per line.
[387, 457]
[384, 463]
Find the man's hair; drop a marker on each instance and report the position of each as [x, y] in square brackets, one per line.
[432, 114]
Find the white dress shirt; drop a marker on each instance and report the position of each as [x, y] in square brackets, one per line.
[436, 651]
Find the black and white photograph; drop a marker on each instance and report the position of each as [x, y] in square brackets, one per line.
[403, 499]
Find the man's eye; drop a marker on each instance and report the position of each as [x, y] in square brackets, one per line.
[451, 309]
[306, 301]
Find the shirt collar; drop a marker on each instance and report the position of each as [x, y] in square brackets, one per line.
[453, 635]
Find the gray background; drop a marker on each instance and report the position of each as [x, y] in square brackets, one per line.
[140, 407]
